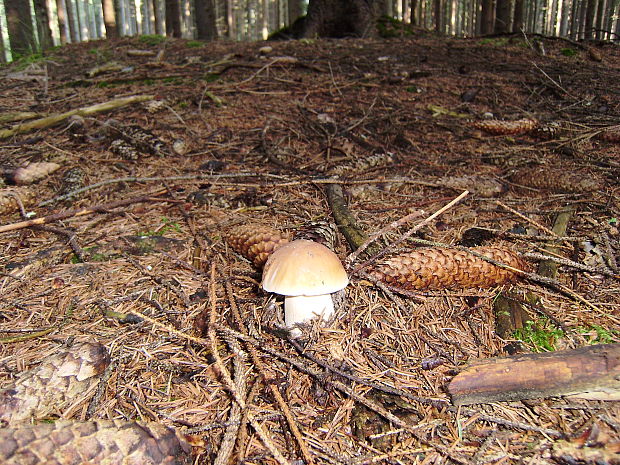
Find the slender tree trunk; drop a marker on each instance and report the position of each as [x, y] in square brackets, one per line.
[295, 10]
[157, 18]
[73, 32]
[589, 22]
[414, 19]
[173, 18]
[487, 16]
[439, 20]
[206, 28]
[502, 16]
[552, 12]
[599, 22]
[566, 8]
[42, 18]
[517, 21]
[19, 23]
[62, 21]
[109, 19]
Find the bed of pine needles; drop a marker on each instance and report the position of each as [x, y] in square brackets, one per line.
[249, 136]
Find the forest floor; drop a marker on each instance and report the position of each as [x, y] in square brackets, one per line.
[229, 134]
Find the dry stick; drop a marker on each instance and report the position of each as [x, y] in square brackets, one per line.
[84, 111]
[303, 447]
[408, 234]
[318, 375]
[82, 211]
[359, 398]
[226, 378]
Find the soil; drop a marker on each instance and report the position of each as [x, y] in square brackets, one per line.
[235, 133]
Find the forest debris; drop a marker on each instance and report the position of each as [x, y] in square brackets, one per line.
[33, 172]
[83, 111]
[108, 67]
[437, 268]
[255, 242]
[558, 180]
[56, 383]
[18, 116]
[72, 180]
[610, 135]
[512, 128]
[379, 160]
[591, 372]
[134, 52]
[9, 196]
[99, 442]
[483, 186]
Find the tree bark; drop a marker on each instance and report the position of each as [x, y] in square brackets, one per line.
[413, 18]
[342, 18]
[73, 33]
[173, 18]
[159, 23]
[487, 16]
[591, 372]
[439, 18]
[502, 16]
[518, 18]
[19, 22]
[42, 18]
[62, 21]
[589, 24]
[205, 19]
[109, 19]
[295, 10]
[566, 4]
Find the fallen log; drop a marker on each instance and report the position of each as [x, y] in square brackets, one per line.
[591, 372]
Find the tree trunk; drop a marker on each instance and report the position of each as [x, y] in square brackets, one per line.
[599, 22]
[159, 24]
[295, 10]
[205, 19]
[109, 19]
[73, 32]
[42, 18]
[566, 5]
[62, 21]
[342, 18]
[517, 22]
[19, 22]
[502, 16]
[439, 19]
[487, 16]
[413, 16]
[173, 18]
[589, 24]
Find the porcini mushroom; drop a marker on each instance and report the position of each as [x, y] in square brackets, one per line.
[306, 273]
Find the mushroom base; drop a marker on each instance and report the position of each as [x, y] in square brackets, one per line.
[301, 308]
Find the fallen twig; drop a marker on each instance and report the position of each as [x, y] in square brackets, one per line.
[83, 111]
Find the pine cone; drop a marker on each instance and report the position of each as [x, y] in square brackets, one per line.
[96, 443]
[255, 241]
[482, 186]
[57, 382]
[72, 180]
[124, 150]
[322, 232]
[493, 126]
[435, 268]
[541, 177]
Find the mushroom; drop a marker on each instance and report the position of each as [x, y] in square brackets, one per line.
[306, 273]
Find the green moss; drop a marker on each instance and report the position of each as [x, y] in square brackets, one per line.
[152, 39]
[392, 27]
[568, 52]
[195, 43]
[539, 335]
[595, 334]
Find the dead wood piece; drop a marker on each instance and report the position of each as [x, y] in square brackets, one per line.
[57, 382]
[436, 268]
[84, 111]
[93, 443]
[255, 241]
[347, 224]
[591, 372]
[78, 212]
[9, 199]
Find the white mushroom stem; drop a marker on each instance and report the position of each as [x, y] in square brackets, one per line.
[301, 308]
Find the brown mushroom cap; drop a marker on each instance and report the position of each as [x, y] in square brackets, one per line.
[303, 267]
